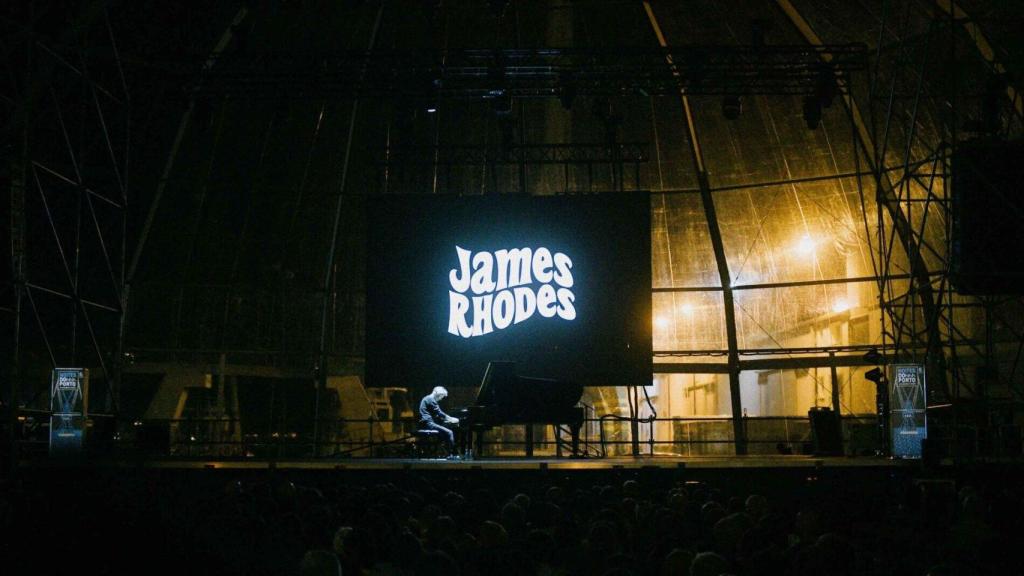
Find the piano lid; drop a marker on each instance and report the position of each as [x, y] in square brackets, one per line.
[501, 387]
[499, 376]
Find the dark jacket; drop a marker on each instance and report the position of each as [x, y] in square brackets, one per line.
[430, 411]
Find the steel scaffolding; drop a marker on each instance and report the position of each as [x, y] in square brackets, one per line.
[70, 130]
[922, 107]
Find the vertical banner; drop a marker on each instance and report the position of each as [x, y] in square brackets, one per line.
[69, 408]
[907, 417]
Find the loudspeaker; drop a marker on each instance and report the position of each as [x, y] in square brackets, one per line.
[863, 438]
[826, 432]
[987, 248]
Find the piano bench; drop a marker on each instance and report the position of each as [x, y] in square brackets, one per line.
[428, 444]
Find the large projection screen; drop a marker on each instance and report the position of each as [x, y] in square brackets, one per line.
[561, 285]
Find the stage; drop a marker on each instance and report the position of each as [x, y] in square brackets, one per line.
[708, 463]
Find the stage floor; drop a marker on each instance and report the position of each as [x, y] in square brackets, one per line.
[643, 462]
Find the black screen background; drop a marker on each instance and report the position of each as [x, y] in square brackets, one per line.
[411, 249]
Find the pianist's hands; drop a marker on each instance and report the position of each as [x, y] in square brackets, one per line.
[452, 420]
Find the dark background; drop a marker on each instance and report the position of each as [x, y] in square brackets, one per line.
[411, 249]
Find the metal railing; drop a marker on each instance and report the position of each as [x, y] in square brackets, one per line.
[601, 436]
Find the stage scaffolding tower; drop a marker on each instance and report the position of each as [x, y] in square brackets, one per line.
[907, 126]
[924, 101]
[67, 138]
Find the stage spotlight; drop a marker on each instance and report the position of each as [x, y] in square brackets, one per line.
[660, 322]
[502, 103]
[825, 87]
[873, 357]
[686, 309]
[499, 6]
[875, 375]
[428, 91]
[840, 306]
[507, 131]
[732, 107]
[758, 31]
[812, 112]
[805, 246]
[991, 103]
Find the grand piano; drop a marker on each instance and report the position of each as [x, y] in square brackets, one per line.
[507, 398]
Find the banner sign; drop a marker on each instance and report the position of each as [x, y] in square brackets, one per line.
[907, 415]
[69, 401]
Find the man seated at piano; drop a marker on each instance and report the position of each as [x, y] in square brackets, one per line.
[432, 417]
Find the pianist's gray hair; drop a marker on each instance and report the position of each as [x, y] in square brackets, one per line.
[440, 391]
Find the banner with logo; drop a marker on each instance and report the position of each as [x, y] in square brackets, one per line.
[907, 413]
[561, 285]
[69, 408]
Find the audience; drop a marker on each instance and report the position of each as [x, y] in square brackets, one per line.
[492, 524]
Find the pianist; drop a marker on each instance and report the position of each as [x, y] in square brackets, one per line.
[433, 418]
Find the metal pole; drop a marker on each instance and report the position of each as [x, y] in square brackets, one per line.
[119, 360]
[835, 383]
[19, 176]
[634, 420]
[320, 370]
[17, 221]
[719, 249]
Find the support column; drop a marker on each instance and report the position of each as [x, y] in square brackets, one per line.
[739, 433]
[18, 165]
[835, 383]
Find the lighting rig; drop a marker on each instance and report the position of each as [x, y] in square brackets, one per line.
[818, 73]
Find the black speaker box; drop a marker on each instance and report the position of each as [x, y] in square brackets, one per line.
[987, 248]
[826, 432]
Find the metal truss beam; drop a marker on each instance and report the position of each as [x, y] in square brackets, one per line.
[578, 154]
[770, 285]
[530, 73]
[760, 364]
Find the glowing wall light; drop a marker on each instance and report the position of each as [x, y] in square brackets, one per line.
[840, 305]
[805, 246]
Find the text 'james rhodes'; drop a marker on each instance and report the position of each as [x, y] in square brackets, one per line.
[508, 287]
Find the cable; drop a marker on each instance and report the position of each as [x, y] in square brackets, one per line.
[654, 413]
